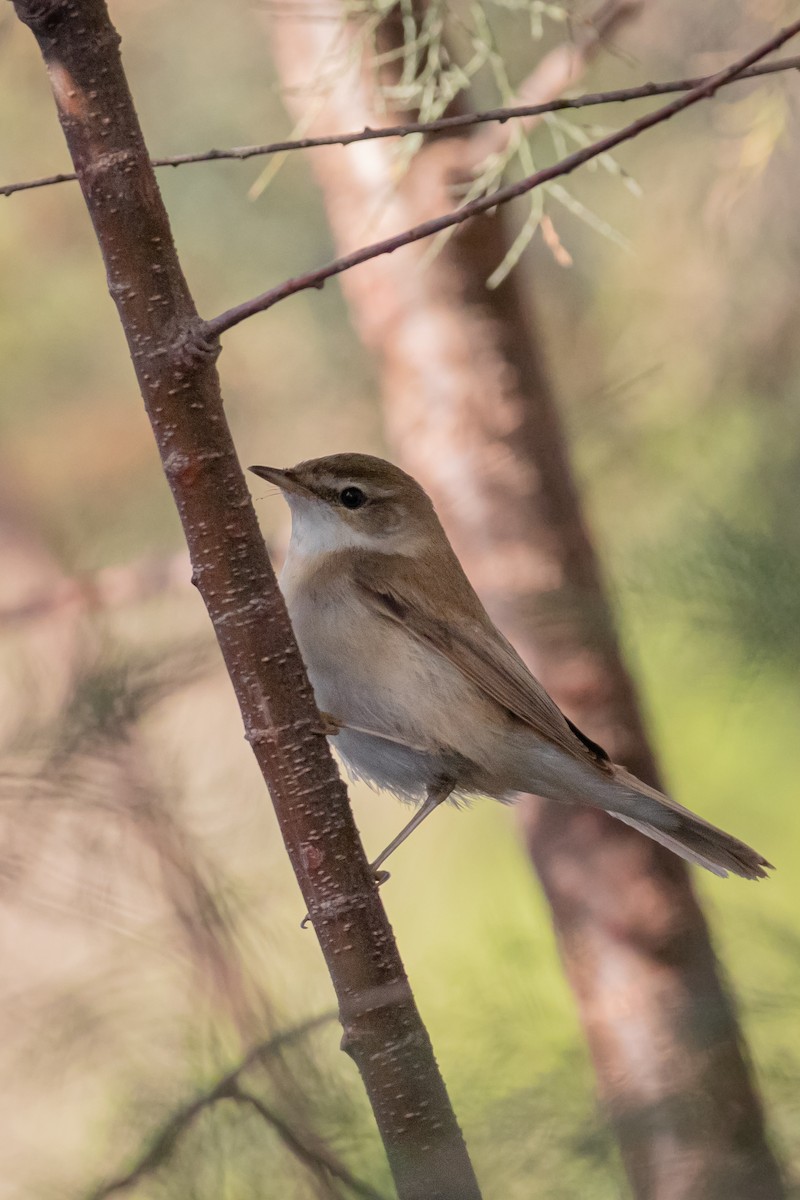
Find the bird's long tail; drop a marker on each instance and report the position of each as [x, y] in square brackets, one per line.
[694, 839]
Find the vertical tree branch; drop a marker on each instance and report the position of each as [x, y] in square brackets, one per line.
[180, 386]
[471, 409]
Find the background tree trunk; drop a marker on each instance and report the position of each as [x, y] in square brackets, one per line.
[471, 412]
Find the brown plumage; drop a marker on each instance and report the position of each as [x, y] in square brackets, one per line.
[428, 694]
[504, 677]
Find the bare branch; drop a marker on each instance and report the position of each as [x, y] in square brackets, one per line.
[175, 367]
[317, 279]
[644, 91]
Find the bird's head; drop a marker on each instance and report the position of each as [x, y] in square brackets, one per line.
[354, 500]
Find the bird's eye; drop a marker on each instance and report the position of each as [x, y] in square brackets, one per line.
[352, 497]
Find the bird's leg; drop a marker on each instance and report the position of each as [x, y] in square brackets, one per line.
[437, 794]
[331, 726]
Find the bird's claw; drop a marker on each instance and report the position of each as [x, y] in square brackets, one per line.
[330, 726]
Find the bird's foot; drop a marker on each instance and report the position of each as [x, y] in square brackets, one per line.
[330, 726]
[380, 878]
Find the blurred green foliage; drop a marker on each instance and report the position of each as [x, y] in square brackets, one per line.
[679, 367]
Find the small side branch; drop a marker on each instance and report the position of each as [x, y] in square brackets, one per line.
[483, 204]
[644, 91]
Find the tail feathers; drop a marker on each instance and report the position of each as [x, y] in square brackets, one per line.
[684, 833]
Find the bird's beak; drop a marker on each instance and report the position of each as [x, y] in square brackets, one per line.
[284, 479]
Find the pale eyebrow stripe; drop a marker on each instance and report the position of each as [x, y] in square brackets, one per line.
[335, 486]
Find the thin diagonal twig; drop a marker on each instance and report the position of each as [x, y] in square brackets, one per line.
[643, 91]
[318, 277]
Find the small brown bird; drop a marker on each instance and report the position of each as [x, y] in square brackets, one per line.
[425, 696]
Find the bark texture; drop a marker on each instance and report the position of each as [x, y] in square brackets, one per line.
[180, 386]
[471, 412]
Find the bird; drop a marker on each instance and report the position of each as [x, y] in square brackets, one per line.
[420, 692]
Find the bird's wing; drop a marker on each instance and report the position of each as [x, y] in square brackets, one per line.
[484, 657]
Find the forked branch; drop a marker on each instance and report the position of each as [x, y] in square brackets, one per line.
[317, 278]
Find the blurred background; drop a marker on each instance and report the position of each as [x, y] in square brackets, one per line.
[150, 919]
